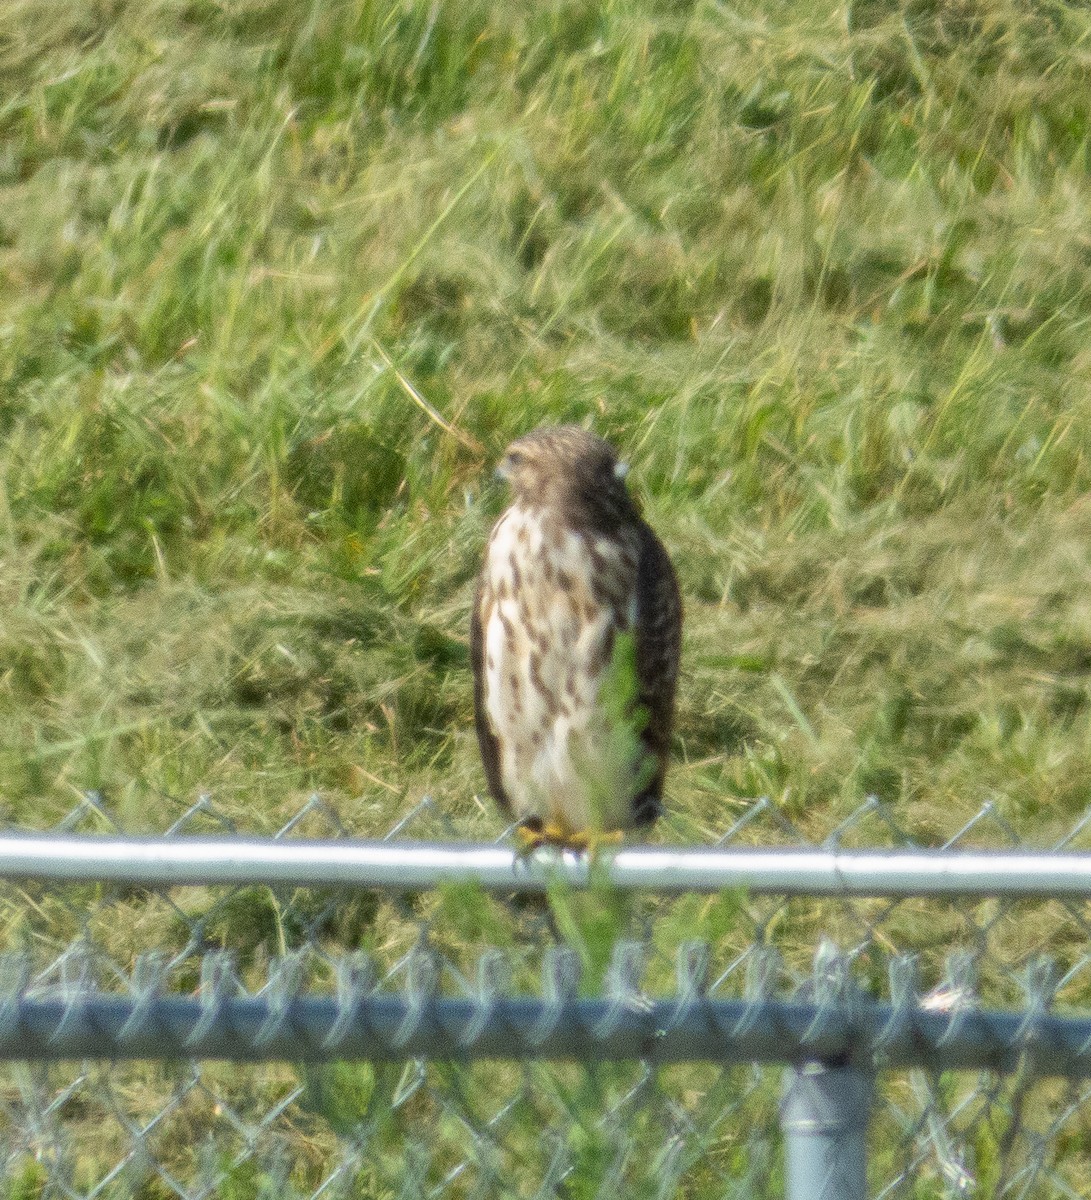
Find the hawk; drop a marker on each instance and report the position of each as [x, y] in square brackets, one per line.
[575, 641]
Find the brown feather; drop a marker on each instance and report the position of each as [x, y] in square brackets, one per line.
[486, 739]
[592, 558]
[658, 653]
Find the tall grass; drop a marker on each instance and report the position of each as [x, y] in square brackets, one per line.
[280, 280]
[821, 272]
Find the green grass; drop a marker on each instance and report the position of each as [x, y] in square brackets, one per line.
[824, 281]
[279, 281]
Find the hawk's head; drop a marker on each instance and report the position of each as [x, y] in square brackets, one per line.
[567, 467]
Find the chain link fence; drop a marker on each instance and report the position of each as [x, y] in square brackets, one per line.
[484, 1026]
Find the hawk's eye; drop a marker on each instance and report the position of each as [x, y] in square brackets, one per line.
[516, 457]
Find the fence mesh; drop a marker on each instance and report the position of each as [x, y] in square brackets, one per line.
[529, 1126]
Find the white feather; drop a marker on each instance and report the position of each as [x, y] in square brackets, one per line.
[553, 780]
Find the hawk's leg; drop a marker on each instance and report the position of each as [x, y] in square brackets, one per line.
[533, 833]
[529, 835]
[592, 840]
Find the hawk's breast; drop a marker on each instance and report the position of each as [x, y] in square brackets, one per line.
[552, 601]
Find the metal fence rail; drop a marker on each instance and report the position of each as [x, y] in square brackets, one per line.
[188, 1015]
[196, 861]
[78, 1020]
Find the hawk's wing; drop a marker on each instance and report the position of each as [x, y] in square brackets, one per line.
[486, 739]
[658, 653]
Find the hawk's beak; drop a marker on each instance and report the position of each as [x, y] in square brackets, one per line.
[503, 470]
[621, 469]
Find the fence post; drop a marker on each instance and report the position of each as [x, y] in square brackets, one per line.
[824, 1119]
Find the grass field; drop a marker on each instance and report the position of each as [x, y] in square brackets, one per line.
[822, 275]
[279, 279]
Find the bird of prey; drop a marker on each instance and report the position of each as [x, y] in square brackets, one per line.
[575, 641]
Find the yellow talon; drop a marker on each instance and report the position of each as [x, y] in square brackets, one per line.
[562, 838]
[528, 839]
[591, 840]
